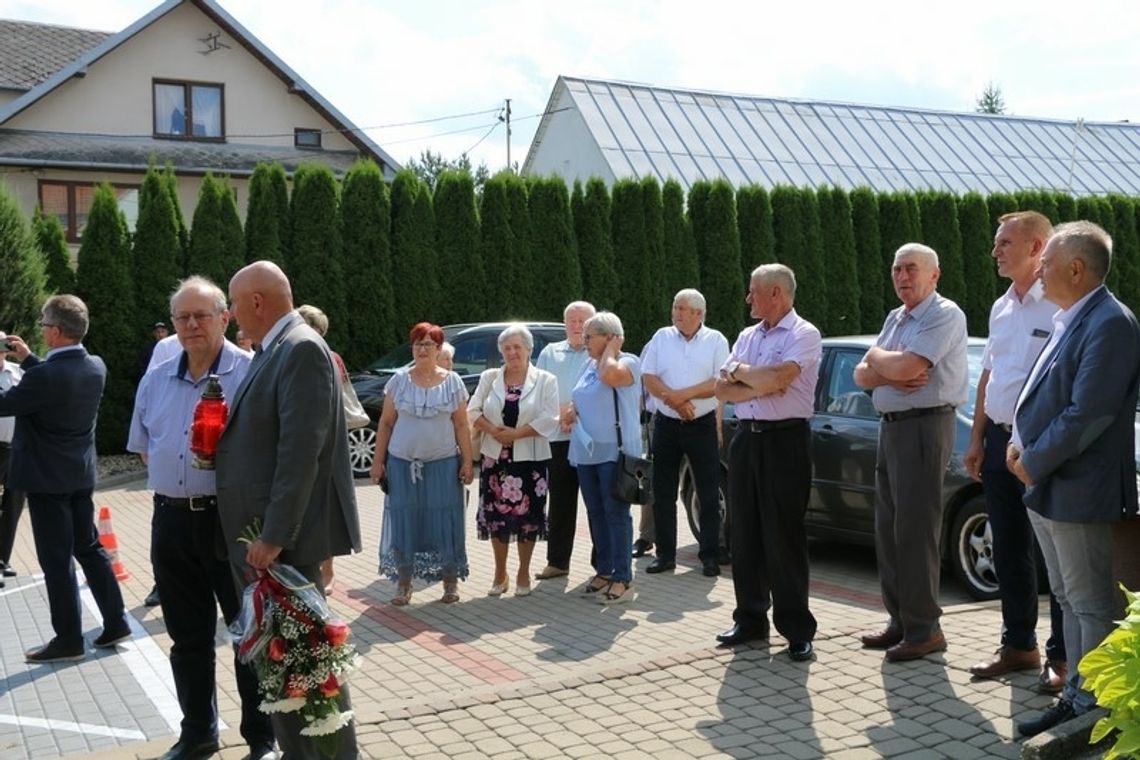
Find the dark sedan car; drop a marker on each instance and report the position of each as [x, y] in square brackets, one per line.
[844, 439]
[476, 349]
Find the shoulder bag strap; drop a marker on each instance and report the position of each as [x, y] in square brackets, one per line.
[617, 419]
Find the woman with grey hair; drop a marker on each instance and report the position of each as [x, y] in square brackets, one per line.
[515, 408]
[611, 378]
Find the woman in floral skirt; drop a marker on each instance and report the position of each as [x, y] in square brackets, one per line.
[515, 409]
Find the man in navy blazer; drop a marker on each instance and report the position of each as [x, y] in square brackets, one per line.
[53, 461]
[1073, 446]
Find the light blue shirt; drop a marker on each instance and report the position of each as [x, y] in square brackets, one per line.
[164, 409]
[935, 330]
[594, 437]
[566, 364]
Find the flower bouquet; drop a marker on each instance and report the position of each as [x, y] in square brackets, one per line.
[298, 649]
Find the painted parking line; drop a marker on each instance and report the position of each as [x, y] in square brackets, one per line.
[36, 581]
[79, 728]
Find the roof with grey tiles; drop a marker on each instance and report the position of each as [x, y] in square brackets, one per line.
[643, 130]
[126, 153]
[30, 53]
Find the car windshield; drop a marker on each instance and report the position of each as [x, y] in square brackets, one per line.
[401, 356]
[974, 364]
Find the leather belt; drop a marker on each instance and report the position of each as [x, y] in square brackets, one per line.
[924, 411]
[768, 426]
[705, 418]
[194, 503]
[5, 445]
[1003, 426]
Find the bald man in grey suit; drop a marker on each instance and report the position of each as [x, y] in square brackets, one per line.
[283, 457]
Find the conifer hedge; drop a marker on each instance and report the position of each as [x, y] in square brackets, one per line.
[721, 283]
[661, 303]
[977, 261]
[680, 269]
[365, 219]
[316, 260]
[22, 275]
[556, 255]
[868, 258]
[51, 240]
[842, 281]
[156, 255]
[634, 304]
[938, 213]
[457, 249]
[524, 259]
[267, 215]
[414, 266]
[496, 242]
[593, 229]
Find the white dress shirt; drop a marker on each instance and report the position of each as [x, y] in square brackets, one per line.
[10, 374]
[681, 362]
[1019, 329]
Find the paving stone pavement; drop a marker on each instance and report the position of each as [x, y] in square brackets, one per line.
[546, 676]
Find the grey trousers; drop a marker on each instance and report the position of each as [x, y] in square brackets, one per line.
[1078, 558]
[913, 454]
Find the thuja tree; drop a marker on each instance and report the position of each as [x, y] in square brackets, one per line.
[680, 269]
[1066, 207]
[655, 246]
[789, 227]
[496, 241]
[267, 215]
[553, 241]
[998, 204]
[316, 259]
[365, 213]
[217, 249]
[634, 301]
[812, 300]
[1126, 250]
[1041, 202]
[977, 261]
[754, 219]
[898, 224]
[868, 258]
[938, 212]
[21, 271]
[457, 246]
[414, 279]
[170, 182]
[155, 253]
[1099, 211]
[841, 281]
[721, 283]
[591, 210]
[528, 279]
[52, 243]
[698, 224]
[103, 281]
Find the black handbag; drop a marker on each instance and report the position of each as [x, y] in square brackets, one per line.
[634, 480]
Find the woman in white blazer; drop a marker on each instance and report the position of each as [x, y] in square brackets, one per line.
[514, 410]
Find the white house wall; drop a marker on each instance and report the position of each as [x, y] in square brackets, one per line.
[116, 97]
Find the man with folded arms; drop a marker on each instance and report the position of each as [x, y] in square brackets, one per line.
[917, 369]
[184, 526]
[771, 376]
[1020, 324]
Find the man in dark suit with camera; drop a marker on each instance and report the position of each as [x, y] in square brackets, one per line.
[53, 461]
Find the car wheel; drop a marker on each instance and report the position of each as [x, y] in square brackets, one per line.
[693, 507]
[361, 450]
[972, 551]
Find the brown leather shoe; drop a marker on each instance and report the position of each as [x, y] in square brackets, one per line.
[913, 650]
[1052, 678]
[1007, 660]
[883, 639]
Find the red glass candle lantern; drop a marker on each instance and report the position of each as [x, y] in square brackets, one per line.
[210, 417]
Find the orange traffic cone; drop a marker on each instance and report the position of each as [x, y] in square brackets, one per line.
[111, 544]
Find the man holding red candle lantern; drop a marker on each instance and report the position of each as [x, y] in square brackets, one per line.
[169, 404]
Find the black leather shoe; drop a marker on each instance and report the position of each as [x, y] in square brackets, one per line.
[641, 547]
[192, 749]
[739, 634]
[800, 651]
[724, 558]
[261, 751]
[152, 599]
[53, 652]
[8, 571]
[710, 569]
[112, 636]
[1055, 715]
[661, 565]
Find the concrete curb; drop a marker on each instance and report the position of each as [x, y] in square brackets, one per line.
[1068, 740]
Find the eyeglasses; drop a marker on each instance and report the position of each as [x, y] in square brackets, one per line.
[425, 344]
[199, 317]
[587, 336]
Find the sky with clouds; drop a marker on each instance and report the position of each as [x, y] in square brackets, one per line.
[385, 62]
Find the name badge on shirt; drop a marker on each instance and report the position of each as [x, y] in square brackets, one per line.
[1039, 333]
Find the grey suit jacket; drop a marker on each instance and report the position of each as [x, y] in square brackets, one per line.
[1076, 421]
[284, 454]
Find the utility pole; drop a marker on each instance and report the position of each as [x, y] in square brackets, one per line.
[509, 167]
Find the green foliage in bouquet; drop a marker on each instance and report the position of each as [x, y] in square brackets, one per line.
[1112, 673]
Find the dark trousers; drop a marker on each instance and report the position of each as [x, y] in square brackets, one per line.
[63, 526]
[562, 506]
[192, 577]
[913, 454]
[287, 726]
[11, 507]
[1015, 551]
[673, 440]
[769, 482]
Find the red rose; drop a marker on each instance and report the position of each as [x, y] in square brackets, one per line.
[331, 686]
[337, 633]
[277, 649]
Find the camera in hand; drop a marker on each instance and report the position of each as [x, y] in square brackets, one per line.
[9, 346]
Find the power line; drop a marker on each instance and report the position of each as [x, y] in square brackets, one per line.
[481, 139]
